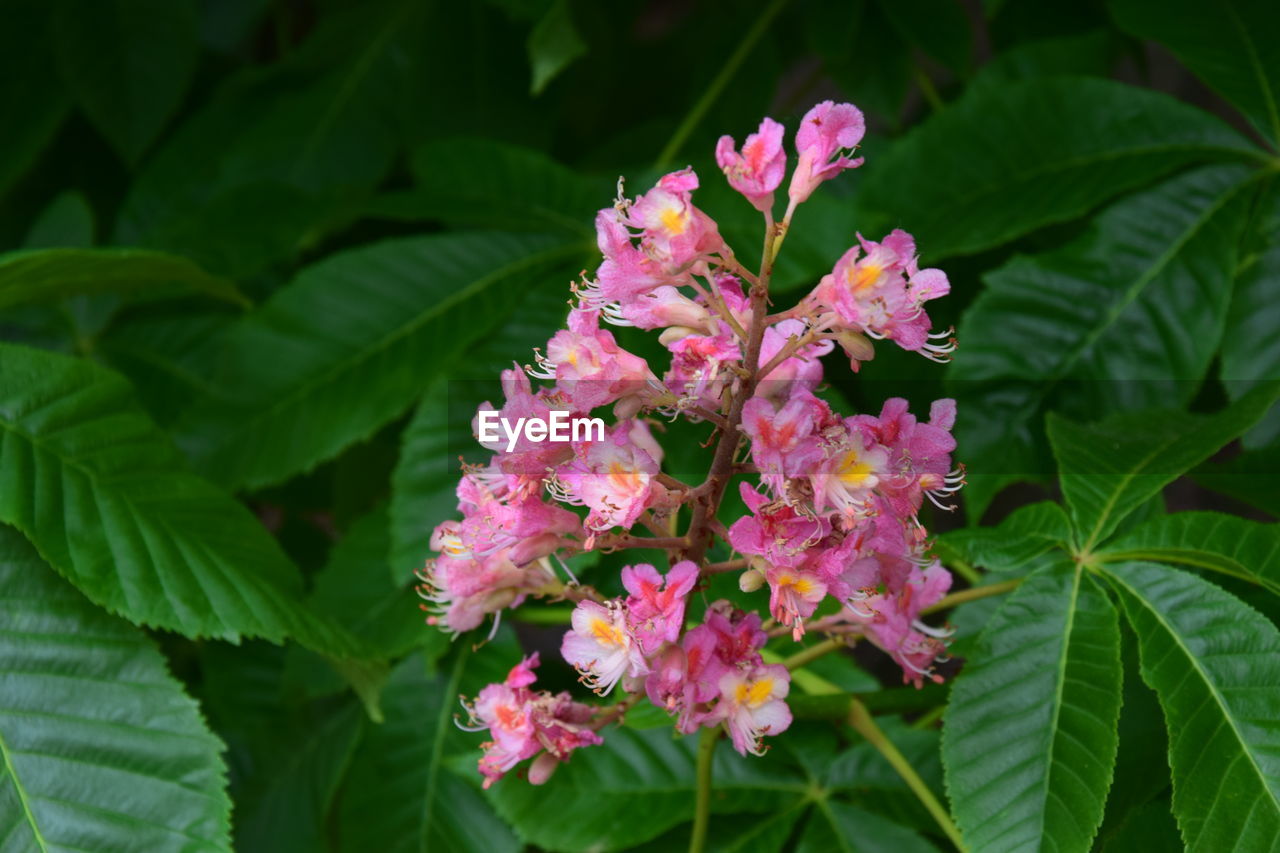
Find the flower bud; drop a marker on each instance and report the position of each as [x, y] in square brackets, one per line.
[750, 580]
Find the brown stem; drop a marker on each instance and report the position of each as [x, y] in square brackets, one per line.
[726, 566]
[711, 492]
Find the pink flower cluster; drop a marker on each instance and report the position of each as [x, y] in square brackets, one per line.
[524, 724]
[833, 501]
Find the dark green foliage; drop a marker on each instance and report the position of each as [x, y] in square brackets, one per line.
[260, 259]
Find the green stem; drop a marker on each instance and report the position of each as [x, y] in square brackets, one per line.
[437, 743]
[862, 722]
[928, 90]
[807, 656]
[702, 809]
[973, 594]
[964, 570]
[717, 86]
[928, 718]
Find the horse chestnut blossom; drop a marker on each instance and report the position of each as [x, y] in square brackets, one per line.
[831, 541]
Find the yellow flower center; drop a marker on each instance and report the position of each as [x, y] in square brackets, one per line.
[672, 220]
[853, 470]
[864, 276]
[625, 479]
[753, 694]
[802, 585]
[606, 633]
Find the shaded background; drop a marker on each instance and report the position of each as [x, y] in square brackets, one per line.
[356, 211]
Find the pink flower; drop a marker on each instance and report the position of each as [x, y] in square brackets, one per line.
[655, 612]
[776, 531]
[782, 438]
[892, 622]
[463, 590]
[827, 134]
[672, 231]
[494, 519]
[920, 454]
[660, 308]
[602, 647]
[698, 371]
[882, 293]
[759, 169]
[523, 723]
[751, 704]
[589, 367]
[802, 370]
[793, 596]
[525, 458]
[612, 478]
[685, 677]
[852, 467]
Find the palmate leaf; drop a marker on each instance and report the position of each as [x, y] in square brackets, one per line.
[47, 274]
[1251, 352]
[107, 500]
[1029, 737]
[836, 827]
[1128, 315]
[349, 345]
[1207, 540]
[1214, 662]
[1228, 43]
[101, 748]
[1003, 161]
[1109, 469]
[1017, 544]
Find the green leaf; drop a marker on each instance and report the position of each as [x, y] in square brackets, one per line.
[1215, 664]
[400, 772]
[1251, 350]
[554, 43]
[1227, 43]
[284, 805]
[33, 104]
[864, 55]
[101, 749]
[1014, 545]
[128, 63]
[1029, 737]
[65, 222]
[1090, 53]
[350, 343]
[41, 275]
[282, 154]
[1248, 477]
[939, 28]
[478, 182]
[637, 772]
[1129, 315]
[1111, 468]
[106, 499]
[426, 476]
[1004, 161]
[355, 589]
[837, 826]
[1206, 540]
